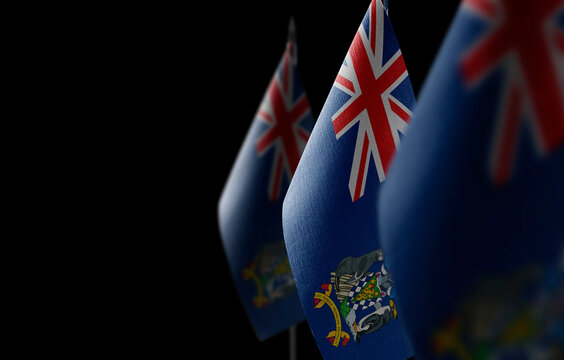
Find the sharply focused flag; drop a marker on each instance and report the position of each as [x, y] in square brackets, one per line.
[329, 214]
[250, 207]
[474, 203]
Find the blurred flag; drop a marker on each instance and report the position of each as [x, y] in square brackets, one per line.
[250, 207]
[474, 203]
[329, 213]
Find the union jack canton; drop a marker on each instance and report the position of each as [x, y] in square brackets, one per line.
[283, 109]
[370, 78]
[528, 44]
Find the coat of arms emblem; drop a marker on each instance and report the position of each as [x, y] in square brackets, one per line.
[271, 274]
[364, 291]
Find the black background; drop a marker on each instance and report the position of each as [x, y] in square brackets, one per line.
[214, 62]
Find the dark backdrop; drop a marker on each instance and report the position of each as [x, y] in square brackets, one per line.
[233, 49]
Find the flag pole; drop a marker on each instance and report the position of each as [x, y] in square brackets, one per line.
[293, 342]
[292, 38]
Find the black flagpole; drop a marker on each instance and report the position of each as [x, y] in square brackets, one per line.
[293, 342]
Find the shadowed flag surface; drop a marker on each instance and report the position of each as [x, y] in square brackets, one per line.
[329, 213]
[250, 207]
[474, 220]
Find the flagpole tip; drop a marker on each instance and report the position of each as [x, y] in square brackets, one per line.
[292, 30]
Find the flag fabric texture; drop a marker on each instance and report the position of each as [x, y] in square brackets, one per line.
[473, 225]
[329, 214]
[250, 207]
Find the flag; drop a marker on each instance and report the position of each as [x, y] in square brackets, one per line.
[250, 207]
[329, 214]
[474, 203]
